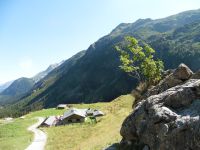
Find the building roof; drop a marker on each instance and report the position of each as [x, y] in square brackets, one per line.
[50, 120]
[62, 105]
[82, 113]
[74, 111]
[8, 118]
[98, 113]
[89, 111]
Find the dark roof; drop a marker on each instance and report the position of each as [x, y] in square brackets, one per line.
[74, 111]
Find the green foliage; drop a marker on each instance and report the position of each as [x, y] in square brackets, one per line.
[139, 61]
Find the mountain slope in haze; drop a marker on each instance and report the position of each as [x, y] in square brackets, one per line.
[26, 104]
[18, 87]
[5, 85]
[57, 72]
[44, 73]
[95, 76]
[13, 91]
[16, 90]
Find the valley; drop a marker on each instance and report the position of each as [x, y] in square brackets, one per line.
[143, 78]
[86, 78]
[84, 136]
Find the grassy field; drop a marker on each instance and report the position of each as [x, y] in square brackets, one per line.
[85, 136]
[14, 135]
[91, 136]
[46, 113]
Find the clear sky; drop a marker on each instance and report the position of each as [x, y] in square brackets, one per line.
[37, 33]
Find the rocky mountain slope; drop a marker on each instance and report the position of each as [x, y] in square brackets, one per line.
[168, 118]
[44, 73]
[95, 75]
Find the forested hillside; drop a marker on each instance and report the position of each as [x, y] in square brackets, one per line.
[93, 75]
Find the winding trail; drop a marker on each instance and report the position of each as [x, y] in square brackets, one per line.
[39, 137]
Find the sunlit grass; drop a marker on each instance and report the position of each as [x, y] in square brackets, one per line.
[14, 135]
[46, 113]
[91, 136]
[78, 136]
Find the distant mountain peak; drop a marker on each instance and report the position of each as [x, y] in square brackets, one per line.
[42, 74]
[141, 21]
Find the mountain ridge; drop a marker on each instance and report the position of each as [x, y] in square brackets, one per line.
[13, 91]
[94, 76]
[5, 85]
[19, 86]
[44, 73]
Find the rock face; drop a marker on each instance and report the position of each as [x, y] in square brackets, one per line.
[196, 75]
[166, 121]
[182, 72]
[179, 76]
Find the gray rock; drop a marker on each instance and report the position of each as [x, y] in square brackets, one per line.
[176, 77]
[112, 147]
[183, 72]
[145, 147]
[167, 121]
[196, 75]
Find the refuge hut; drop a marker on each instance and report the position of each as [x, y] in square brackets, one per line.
[73, 116]
[62, 106]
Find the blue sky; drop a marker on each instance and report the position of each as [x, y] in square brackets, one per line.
[37, 33]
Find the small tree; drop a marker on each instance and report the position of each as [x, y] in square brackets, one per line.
[139, 62]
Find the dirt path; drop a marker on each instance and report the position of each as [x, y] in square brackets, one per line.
[39, 137]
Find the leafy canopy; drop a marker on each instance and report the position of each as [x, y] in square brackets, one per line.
[139, 61]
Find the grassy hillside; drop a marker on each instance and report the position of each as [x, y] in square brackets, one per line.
[14, 135]
[85, 136]
[92, 136]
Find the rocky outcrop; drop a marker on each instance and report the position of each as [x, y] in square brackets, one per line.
[196, 75]
[168, 120]
[182, 72]
[178, 76]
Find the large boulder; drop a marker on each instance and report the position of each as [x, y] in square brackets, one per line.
[176, 77]
[166, 121]
[183, 72]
